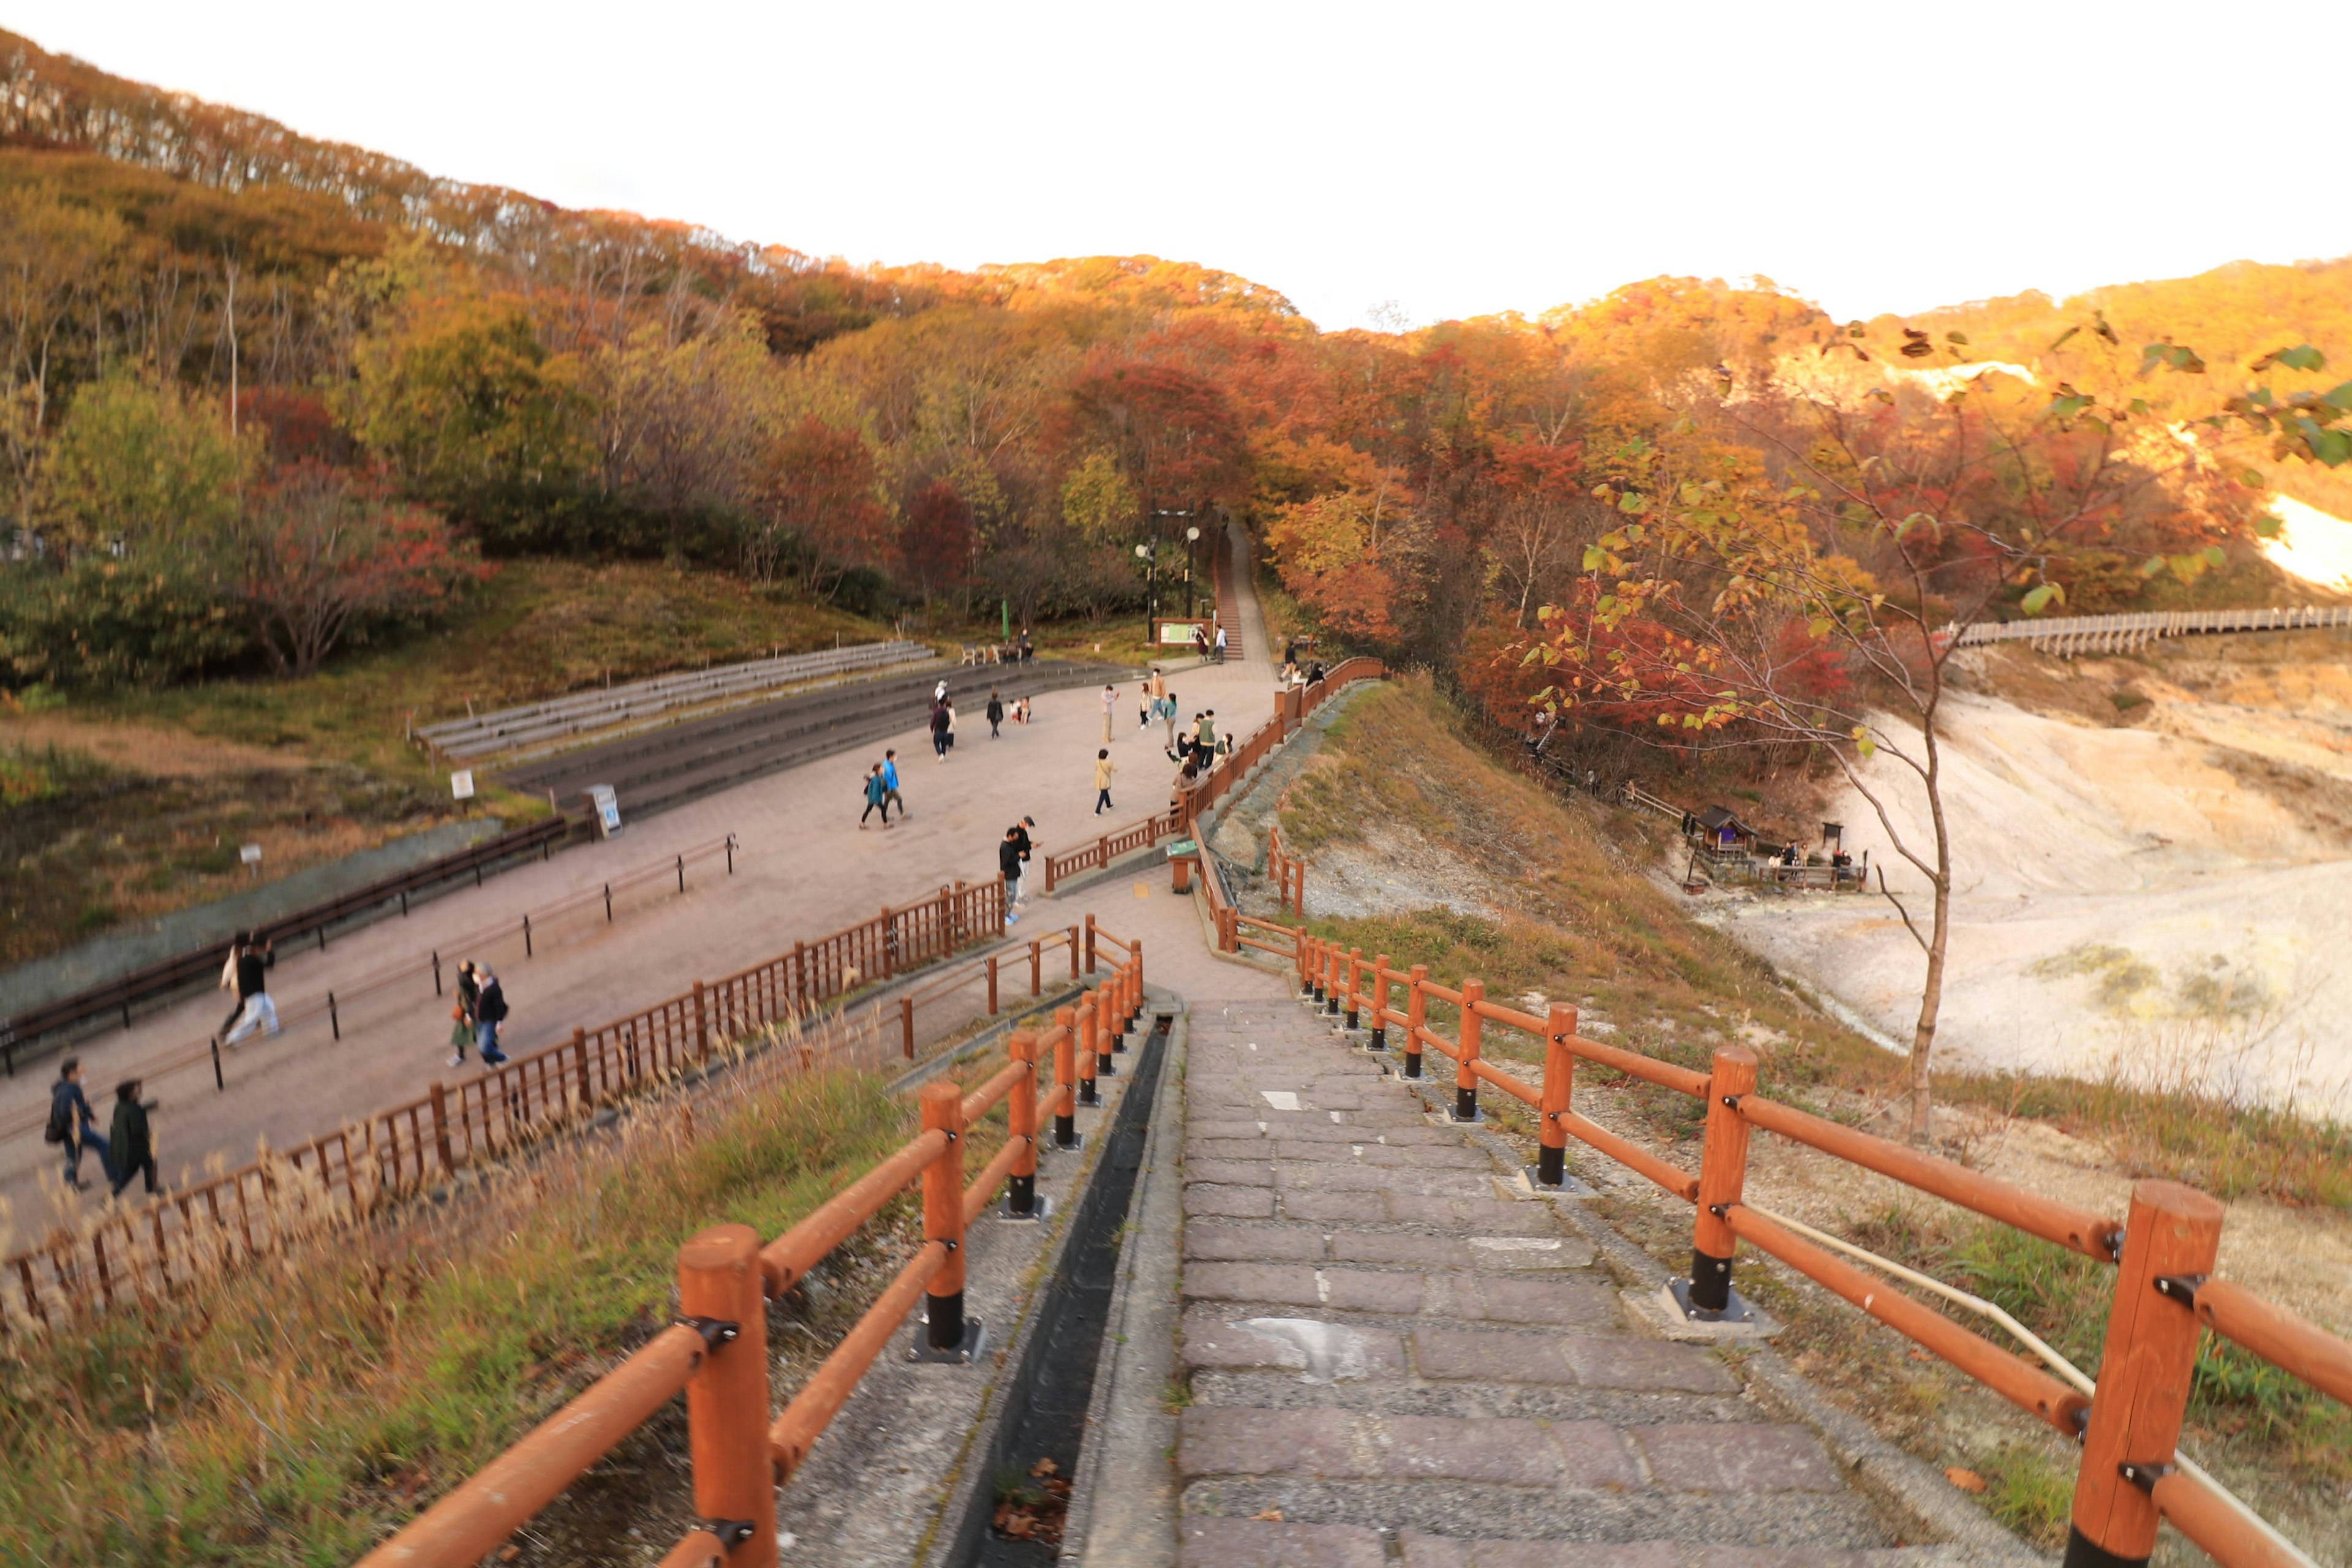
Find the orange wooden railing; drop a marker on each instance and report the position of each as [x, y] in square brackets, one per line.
[190, 1234]
[1287, 872]
[2164, 1250]
[716, 1353]
[1291, 707]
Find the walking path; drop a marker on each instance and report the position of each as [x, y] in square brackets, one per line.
[804, 869]
[1392, 1361]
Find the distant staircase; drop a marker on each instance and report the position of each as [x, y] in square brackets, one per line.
[1231, 563]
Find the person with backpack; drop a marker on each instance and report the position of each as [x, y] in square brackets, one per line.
[1008, 866]
[248, 971]
[489, 1012]
[1104, 769]
[132, 1140]
[73, 1124]
[878, 794]
[890, 783]
[942, 723]
[996, 714]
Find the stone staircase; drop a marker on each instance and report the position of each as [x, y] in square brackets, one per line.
[1232, 564]
[1392, 1361]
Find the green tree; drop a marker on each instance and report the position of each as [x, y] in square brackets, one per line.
[1097, 501]
[144, 464]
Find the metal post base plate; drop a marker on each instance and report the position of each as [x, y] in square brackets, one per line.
[1040, 1207]
[961, 1353]
[1736, 1308]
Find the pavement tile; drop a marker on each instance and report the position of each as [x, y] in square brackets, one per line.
[1331, 1178]
[1252, 1544]
[1213, 1338]
[1285, 1283]
[1230, 1441]
[1228, 1202]
[1362, 1290]
[1253, 1243]
[1442, 1551]
[1501, 1452]
[1199, 1127]
[1738, 1458]
[1230, 1173]
[1338, 1208]
[1648, 1364]
[1229, 1149]
[1565, 1302]
[1400, 1250]
[1474, 1355]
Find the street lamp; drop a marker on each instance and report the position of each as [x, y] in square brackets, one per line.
[1150, 555]
[1191, 536]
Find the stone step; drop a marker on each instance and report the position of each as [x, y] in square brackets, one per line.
[1214, 1241]
[1250, 1543]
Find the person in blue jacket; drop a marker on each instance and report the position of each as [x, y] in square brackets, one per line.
[74, 1124]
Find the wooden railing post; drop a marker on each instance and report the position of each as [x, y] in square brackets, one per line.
[719, 1294]
[1090, 945]
[1466, 1077]
[992, 985]
[1379, 1037]
[1722, 1172]
[1355, 1002]
[1313, 982]
[1036, 967]
[2171, 1233]
[702, 1025]
[907, 1024]
[1559, 1092]
[1073, 951]
[1066, 1078]
[798, 989]
[1021, 1113]
[1086, 1034]
[1102, 1008]
[580, 1065]
[942, 1107]
[441, 1131]
[1416, 1016]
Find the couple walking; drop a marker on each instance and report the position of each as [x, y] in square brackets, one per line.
[882, 790]
[127, 1150]
[481, 1008]
[1012, 865]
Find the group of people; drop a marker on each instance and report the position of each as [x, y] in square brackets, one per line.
[481, 1008]
[125, 1150]
[1206, 648]
[1013, 864]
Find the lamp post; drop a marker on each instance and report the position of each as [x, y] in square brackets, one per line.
[1150, 555]
[1192, 536]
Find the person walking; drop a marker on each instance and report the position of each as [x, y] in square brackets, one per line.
[939, 729]
[248, 970]
[877, 793]
[243, 974]
[1143, 701]
[890, 783]
[1201, 643]
[1205, 730]
[996, 714]
[1020, 836]
[1008, 866]
[461, 1016]
[74, 1124]
[1110, 701]
[1221, 644]
[132, 1141]
[489, 1012]
[1104, 769]
[1027, 652]
[949, 707]
[1166, 708]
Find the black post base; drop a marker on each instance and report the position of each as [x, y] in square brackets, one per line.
[1412, 1064]
[1379, 1040]
[1351, 1018]
[1087, 1095]
[1021, 1195]
[966, 1337]
[1066, 1132]
[1105, 1067]
[1710, 1282]
[1318, 993]
[1465, 1104]
[943, 1320]
[1551, 1166]
[2081, 1553]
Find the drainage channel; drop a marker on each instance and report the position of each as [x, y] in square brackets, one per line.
[1045, 1412]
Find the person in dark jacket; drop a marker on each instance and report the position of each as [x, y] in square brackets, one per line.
[133, 1143]
[996, 714]
[491, 1011]
[877, 797]
[74, 1124]
[465, 1019]
[247, 971]
[1008, 866]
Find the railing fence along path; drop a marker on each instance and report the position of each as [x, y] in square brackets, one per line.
[716, 1353]
[2070, 635]
[128, 1253]
[172, 975]
[2132, 1473]
[1291, 706]
[602, 709]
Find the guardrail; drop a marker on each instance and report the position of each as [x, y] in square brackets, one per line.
[1291, 704]
[1287, 872]
[716, 1353]
[2071, 635]
[204, 963]
[2132, 1473]
[509, 728]
[181, 1236]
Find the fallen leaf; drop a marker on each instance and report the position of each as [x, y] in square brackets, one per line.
[1045, 1467]
[1922, 1355]
[1271, 1516]
[1966, 1480]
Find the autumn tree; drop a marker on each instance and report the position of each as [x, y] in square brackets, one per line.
[934, 542]
[143, 466]
[818, 498]
[324, 548]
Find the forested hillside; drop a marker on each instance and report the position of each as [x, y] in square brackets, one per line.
[265, 393]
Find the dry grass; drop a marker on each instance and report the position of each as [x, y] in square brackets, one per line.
[290, 1411]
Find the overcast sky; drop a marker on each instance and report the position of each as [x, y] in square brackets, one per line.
[1455, 159]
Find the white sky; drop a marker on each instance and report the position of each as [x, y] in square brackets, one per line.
[1454, 158]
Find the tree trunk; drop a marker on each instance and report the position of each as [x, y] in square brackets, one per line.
[1939, 930]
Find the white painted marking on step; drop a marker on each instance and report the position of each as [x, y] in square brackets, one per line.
[1326, 1352]
[1513, 1243]
[1322, 1287]
[1280, 1098]
[1358, 1149]
[1252, 1045]
[1261, 1126]
[1335, 1116]
[1381, 1139]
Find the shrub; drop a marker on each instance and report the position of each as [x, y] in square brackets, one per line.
[103, 621]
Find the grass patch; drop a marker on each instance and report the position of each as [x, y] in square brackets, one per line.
[289, 1413]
